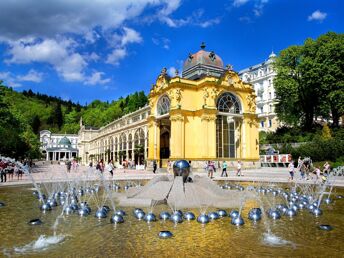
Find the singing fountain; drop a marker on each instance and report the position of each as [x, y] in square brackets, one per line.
[236, 216]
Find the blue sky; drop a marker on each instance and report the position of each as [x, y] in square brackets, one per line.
[86, 50]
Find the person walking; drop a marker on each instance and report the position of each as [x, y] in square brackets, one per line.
[154, 166]
[109, 167]
[238, 173]
[68, 165]
[224, 169]
[291, 168]
[211, 168]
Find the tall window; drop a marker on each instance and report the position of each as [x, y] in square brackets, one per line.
[163, 105]
[228, 105]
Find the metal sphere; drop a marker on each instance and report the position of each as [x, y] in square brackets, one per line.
[165, 234]
[46, 207]
[310, 207]
[116, 219]
[317, 211]
[140, 215]
[234, 214]
[136, 210]
[274, 214]
[255, 214]
[290, 213]
[339, 196]
[176, 218]
[325, 227]
[222, 213]
[100, 214]
[179, 212]
[294, 207]
[328, 200]
[75, 207]
[120, 212]
[315, 204]
[181, 168]
[274, 193]
[150, 217]
[83, 212]
[238, 221]
[2, 204]
[203, 219]
[68, 210]
[189, 216]
[213, 215]
[35, 222]
[81, 192]
[301, 205]
[52, 202]
[165, 215]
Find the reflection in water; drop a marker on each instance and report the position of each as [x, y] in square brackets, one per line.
[89, 237]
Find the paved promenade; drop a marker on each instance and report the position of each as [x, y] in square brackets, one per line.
[57, 173]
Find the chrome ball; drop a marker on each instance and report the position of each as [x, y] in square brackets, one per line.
[310, 207]
[75, 207]
[328, 200]
[255, 214]
[238, 221]
[136, 210]
[203, 219]
[317, 211]
[81, 192]
[68, 210]
[294, 207]
[179, 212]
[35, 222]
[46, 207]
[106, 208]
[140, 215]
[2, 204]
[176, 218]
[165, 234]
[274, 193]
[116, 219]
[290, 213]
[52, 202]
[100, 214]
[189, 216]
[234, 214]
[120, 212]
[325, 227]
[181, 168]
[213, 215]
[301, 205]
[339, 196]
[274, 214]
[222, 213]
[150, 217]
[165, 215]
[83, 212]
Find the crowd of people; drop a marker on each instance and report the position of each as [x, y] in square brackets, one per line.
[308, 171]
[11, 169]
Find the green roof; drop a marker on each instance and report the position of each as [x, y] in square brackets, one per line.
[65, 141]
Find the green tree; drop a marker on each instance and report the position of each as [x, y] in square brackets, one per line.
[326, 132]
[309, 81]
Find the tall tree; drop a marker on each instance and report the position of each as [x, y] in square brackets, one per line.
[309, 81]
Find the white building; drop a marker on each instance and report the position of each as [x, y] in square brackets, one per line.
[261, 76]
[58, 146]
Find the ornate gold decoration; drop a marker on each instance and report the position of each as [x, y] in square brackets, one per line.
[208, 117]
[178, 94]
[251, 103]
[177, 118]
[253, 122]
[205, 95]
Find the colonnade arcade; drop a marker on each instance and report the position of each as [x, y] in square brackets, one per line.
[127, 145]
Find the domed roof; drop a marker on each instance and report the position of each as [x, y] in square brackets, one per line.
[272, 55]
[65, 141]
[203, 57]
[202, 63]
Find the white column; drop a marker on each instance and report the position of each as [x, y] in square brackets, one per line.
[47, 157]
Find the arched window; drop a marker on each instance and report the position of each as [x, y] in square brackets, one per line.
[228, 103]
[163, 105]
[111, 144]
[116, 144]
[139, 137]
[124, 142]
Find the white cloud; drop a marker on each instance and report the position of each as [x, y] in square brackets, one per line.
[258, 7]
[237, 3]
[96, 78]
[317, 16]
[9, 80]
[161, 41]
[31, 76]
[210, 22]
[61, 55]
[130, 36]
[116, 55]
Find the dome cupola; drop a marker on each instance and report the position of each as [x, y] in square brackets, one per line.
[201, 64]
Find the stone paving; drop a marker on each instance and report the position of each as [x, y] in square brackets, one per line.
[46, 173]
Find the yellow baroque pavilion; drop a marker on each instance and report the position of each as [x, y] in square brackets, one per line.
[208, 113]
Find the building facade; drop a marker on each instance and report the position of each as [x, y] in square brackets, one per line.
[208, 113]
[261, 76]
[58, 147]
